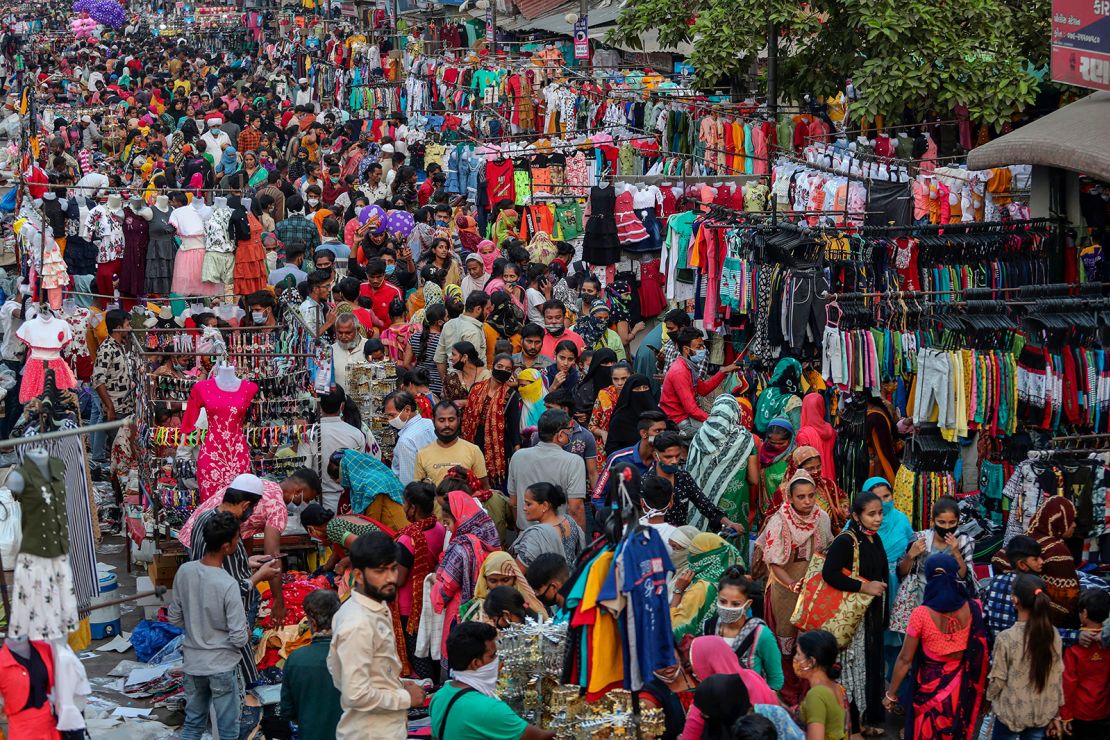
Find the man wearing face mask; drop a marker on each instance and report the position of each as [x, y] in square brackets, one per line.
[380, 291]
[555, 328]
[641, 455]
[467, 707]
[347, 348]
[678, 399]
[669, 448]
[363, 655]
[546, 575]
[549, 462]
[260, 308]
[414, 432]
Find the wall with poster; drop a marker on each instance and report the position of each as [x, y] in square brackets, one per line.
[1081, 43]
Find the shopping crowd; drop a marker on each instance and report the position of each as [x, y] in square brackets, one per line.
[536, 408]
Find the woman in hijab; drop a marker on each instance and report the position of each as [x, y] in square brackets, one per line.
[723, 462]
[597, 377]
[793, 533]
[832, 500]
[595, 332]
[530, 387]
[229, 162]
[634, 399]
[474, 275]
[604, 404]
[469, 237]
[712, 656]
[491, 419]
[473, 538]
[896, 534]
[780, 398]
[774, 459]
[422, 234]
[695, 590]
[720, 700]
[944, 659]
[816, 432]
[504, 227]
[499, 569]
[1053, 523]
[505, 318]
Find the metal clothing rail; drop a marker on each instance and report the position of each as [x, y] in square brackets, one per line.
[106, 426]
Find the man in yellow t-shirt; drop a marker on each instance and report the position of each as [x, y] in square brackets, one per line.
[433, 461]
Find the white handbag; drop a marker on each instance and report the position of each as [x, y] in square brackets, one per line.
[11, 528]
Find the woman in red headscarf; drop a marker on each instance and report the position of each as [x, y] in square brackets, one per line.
[817, 432]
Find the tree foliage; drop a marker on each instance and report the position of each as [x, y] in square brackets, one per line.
[921, 54]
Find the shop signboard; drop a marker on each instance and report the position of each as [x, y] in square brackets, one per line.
[582, 38]
[1081, 43]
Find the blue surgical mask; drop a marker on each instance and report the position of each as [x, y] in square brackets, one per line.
[698, 357]
[389, 269]
[670, 469]
[888, 506]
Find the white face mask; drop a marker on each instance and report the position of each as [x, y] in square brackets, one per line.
[313, 201]
[258, 317]
[397, 422]
[483, 679]
[732, 615]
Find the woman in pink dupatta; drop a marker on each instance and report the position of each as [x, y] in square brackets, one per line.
[473, 538]
[817, 432]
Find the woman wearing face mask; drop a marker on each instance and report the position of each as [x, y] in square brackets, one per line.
[774, 459]
[422, 234]
[420, 545]
[863, 660]
[896, 535]
[506, 277]
[945, 657]
[491, 419]
[750, 638]
[780, 398]
[465, 369]
[473, 538]
[563, 373]
[256, 175]
[594, 329]
[504, 606]
[694, 597]
[499, 569]
[169, 367]
[941, 538]
[634, 399]
[552, 532]
[790, 537]
[824, 711]
[604, 405]
[596, 378]
[421, 348]
[505, 318]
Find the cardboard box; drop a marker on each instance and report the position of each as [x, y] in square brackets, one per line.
[164, 567]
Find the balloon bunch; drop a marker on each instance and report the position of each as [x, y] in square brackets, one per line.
[83, 27]
[105, 12]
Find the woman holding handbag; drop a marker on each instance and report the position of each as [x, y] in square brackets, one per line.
[941, 539]
[791, 536]
[864, 676]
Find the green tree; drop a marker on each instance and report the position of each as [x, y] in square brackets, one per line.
[924, 54]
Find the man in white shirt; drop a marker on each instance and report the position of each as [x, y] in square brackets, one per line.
[314, 309]
[304, 94]
[375, 188]
[413, 432]
[334, 435]
[362, 658]
[348, 347]
[214, 139]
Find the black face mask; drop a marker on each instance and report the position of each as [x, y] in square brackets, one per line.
[459, 365]
[501, 375]
[943, 532]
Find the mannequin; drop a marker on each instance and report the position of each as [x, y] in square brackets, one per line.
[160, 249]
[141, 209]
[226, 378]
[188, 223]
[136, 237]
[115, 204]
[219, 248]
[224, 453]
[162, 203]
[105, 230]
[46, 336]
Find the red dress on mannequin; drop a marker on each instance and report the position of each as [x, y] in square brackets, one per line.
[225, 453]
[25, 720]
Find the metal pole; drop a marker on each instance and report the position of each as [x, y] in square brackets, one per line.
[47, 436]
[773, 92]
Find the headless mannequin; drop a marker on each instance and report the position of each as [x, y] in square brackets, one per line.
[40, 458]
[226, 379]
[140, 209]
[20, 646]
[115, 205]
[162, 203]
[219, 202]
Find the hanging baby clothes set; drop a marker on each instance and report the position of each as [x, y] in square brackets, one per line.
[45, 336]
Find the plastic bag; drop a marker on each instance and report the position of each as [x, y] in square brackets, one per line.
[170, 652]
[11, 527]
[149, 637]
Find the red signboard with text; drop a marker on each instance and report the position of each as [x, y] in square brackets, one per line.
[1081, 43]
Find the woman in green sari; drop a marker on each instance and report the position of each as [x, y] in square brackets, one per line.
[723, 462]
[781, 399]
[255, 172]
[695, 589]
[774, 459]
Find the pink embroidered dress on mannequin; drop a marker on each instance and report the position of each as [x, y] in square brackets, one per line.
[45, 336]
[225, 453]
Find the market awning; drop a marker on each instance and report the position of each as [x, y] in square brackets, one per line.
[1073, 138]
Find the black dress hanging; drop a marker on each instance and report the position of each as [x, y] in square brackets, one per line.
[600, 245]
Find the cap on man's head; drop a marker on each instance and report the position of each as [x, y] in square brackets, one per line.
[247, 483]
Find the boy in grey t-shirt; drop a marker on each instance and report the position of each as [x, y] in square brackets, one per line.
[207, 604]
